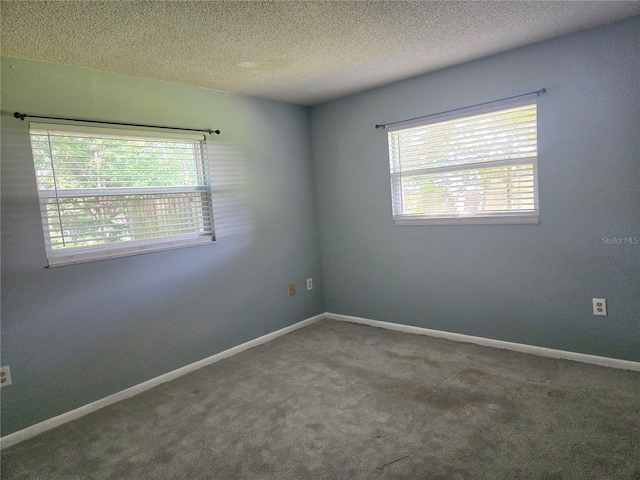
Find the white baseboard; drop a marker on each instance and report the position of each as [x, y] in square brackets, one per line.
[19, 436]
[518, 347]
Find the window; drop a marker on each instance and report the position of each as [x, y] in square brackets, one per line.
[108, 193]
[477, 168]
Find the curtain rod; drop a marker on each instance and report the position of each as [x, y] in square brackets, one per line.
[22, 116]
[537, 92]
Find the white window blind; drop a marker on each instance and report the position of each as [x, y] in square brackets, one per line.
[473, 168]
[107, 193]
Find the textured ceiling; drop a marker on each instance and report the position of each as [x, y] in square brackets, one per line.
[304, 52]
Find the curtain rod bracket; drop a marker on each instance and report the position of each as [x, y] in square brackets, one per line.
[22, 116]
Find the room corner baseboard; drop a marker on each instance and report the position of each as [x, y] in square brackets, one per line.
[487, 342]
[21, 435]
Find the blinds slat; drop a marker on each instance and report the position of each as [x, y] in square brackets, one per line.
[125, 192]
[499, 166]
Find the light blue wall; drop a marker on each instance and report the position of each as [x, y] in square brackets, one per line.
[75, 334]
[523, 283]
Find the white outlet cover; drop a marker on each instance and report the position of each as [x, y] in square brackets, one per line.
[600, 307]
[309, 283]
[5, 376]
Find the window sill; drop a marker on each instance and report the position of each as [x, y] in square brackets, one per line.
[93, 254]
[416, 220]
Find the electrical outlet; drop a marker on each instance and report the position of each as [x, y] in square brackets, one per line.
[309, 283]
[292, 289]
[600, 307]
[5, 377]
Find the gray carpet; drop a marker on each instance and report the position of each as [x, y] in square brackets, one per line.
[344, 401]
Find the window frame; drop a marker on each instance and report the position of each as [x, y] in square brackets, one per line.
[73, 255]
[473, 218]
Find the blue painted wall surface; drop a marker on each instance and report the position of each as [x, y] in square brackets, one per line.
[531, 284]
[75, 334]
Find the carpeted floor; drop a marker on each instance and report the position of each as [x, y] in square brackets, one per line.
[344, 401]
